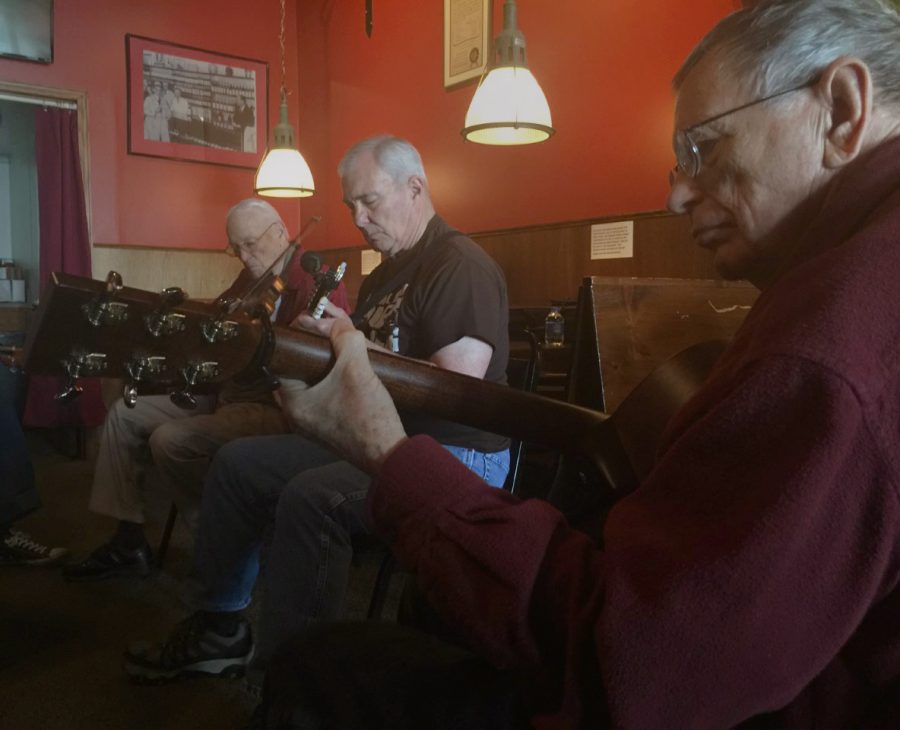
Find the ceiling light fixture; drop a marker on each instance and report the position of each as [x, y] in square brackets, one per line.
[508, 107]
[283, 172]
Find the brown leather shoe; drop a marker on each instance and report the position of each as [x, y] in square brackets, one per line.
[111, 561]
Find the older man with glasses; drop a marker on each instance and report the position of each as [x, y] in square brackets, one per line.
[182, 442]
[753, 579]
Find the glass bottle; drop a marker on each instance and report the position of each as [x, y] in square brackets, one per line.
[554, 328]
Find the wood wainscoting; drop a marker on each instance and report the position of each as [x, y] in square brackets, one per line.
[547, 263]
[202, 274]
[542, 264]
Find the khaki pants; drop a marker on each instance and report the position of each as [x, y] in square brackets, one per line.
[178, 443]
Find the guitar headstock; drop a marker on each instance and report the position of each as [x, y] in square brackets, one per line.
[86, 328]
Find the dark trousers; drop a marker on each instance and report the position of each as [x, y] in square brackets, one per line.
[18, 495]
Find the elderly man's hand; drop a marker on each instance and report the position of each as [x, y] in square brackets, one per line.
[289, 394]
[350, 410]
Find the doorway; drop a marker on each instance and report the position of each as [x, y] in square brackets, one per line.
[19, 207]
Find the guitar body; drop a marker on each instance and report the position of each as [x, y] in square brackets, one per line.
[86, 327]
[638, 424]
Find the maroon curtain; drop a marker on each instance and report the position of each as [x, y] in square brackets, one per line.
[64, 247]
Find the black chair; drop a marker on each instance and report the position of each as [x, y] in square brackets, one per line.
[522, 373]
[166, 536]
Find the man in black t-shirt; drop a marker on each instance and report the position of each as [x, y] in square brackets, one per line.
[436, 297]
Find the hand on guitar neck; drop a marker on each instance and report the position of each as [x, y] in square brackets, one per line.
[349, 409]
[324, 325]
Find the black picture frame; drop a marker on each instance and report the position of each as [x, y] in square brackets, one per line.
[26, 30]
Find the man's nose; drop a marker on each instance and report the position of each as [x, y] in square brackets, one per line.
[244, 255]
[683, 192]
[360, 216]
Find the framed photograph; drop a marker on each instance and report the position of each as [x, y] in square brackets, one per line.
[467, 40]
[26, 30]
[190, 104]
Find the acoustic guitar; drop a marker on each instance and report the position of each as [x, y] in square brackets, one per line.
[86, 327]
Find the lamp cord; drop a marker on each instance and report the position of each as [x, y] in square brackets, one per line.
[281, 39]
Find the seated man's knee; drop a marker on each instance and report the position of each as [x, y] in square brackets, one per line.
[305, 497]
[167, 439]
[233, 457]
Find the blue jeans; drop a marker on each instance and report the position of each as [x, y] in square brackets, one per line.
[305, 505]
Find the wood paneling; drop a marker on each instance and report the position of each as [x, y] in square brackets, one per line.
[548, 262]
[541, 263]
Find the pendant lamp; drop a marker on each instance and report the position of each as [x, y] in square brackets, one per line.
[283, 172]
[508, 107]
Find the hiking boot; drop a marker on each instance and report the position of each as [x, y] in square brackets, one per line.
[110, 561]
[18, 548]
[192, 650]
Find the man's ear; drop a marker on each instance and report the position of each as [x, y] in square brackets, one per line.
[416, 185]
[845, 87]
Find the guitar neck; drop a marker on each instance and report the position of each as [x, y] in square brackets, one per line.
[621, 448]
[88, 328]
[419, 386]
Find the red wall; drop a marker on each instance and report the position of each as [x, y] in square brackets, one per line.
[142, 200]
[604, 66]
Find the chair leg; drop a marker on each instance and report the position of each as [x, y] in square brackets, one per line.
[80, 443]
[166, 536]
[382, 583]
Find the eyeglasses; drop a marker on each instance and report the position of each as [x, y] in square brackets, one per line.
[234, 249]
[688, 151]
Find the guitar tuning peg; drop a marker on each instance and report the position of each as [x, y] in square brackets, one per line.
[219, 330]
[103, 310]
[172, 296]
[184, 399]
[130, 395]
[78, 363]
[162, 321]
[198, 371]
[113, 282]
[70, 391]
[140, 367]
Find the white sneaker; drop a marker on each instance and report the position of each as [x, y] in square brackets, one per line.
[17, 548]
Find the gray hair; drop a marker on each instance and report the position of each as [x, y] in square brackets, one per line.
[249, 204]
[397, 157]
[785, 43]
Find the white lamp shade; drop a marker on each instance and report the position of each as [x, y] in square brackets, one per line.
[284, 174]
[508, 108]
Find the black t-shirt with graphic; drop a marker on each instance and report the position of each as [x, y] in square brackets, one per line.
[442, 289]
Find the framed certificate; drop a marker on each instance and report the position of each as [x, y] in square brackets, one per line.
[467, 39]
